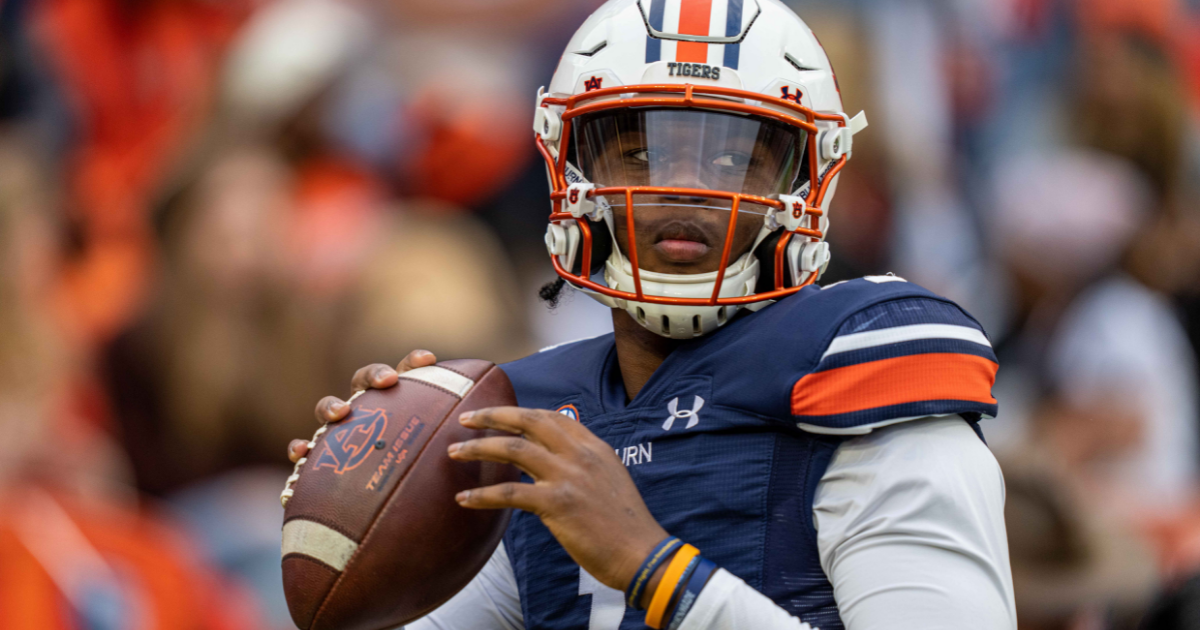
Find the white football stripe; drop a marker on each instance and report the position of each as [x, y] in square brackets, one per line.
[671, 12]
[716, 28]
[318, 541]
[458, 384]
[884, 336]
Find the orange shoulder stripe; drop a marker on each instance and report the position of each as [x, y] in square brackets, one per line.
[908, 379]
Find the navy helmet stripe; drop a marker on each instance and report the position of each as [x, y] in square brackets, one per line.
[653, 44]
[733, 26]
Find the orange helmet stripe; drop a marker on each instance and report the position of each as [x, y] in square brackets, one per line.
[694, 18]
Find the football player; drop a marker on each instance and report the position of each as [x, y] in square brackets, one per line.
[747, 449]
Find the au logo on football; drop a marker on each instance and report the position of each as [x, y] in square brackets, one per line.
[349, 445]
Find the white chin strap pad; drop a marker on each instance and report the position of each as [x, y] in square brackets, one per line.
[680, 322]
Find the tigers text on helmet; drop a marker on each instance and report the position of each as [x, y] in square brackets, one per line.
[694, 113]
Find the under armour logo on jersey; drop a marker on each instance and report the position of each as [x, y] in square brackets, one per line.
[692, 414]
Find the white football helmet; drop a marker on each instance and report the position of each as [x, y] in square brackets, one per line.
[722, 70]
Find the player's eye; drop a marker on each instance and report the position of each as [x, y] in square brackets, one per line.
[640, 155]
[732, 160]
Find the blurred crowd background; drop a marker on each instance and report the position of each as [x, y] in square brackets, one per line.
[213, 211]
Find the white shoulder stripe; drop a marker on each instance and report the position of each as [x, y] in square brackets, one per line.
[885, 336]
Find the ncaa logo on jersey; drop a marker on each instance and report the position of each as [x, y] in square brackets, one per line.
[349, 445]
[692, 415]
[569, 411]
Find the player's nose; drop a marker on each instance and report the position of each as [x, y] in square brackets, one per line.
[681, 172]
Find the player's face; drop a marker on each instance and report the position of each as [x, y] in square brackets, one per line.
[684, 234]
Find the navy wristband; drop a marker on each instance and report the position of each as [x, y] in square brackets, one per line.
[680, 585]
[703, 570]
[637, 586]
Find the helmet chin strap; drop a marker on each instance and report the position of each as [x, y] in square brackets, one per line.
[676, 321]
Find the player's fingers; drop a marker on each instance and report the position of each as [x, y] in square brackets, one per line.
[530, 457]
[541, 426]
[523, 496]
[376, 375]
[331, 409]
[297, 449]
[416, 359]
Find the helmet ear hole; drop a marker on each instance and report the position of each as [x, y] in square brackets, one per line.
[765, 253]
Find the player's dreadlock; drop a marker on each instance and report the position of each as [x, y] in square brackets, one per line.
[551, 292]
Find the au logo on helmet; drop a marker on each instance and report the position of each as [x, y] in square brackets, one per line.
[349, 445]
[594, 83]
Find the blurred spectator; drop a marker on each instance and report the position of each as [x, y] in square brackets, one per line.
[139, 78]
[41, 376]
[1117, 403]
[1128, 101]
[285, 256]
[74, 552]
[233, 521]
[1071, 569]
[1177, 609]
[242, 296]
[102, 568]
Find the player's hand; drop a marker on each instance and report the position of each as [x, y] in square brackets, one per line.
[374, 376]
[581, 490]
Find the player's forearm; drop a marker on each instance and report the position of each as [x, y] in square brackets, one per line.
[728, 603]
[966, 600]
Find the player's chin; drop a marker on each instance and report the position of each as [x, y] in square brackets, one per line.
[683, 268]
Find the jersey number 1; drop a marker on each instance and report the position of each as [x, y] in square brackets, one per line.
[608, 604]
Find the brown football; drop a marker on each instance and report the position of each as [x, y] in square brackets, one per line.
[372, 535]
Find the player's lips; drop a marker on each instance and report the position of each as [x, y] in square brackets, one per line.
[681, 243]
[677, 250]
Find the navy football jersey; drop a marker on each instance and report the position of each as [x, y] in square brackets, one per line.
[730, 436]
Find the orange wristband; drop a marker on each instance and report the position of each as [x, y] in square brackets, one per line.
[662, 594]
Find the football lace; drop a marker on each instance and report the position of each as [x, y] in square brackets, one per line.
[287, 493]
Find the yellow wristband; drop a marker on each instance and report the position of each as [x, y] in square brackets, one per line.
[662, 594]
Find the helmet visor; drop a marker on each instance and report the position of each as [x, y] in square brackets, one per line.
[685, 148]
